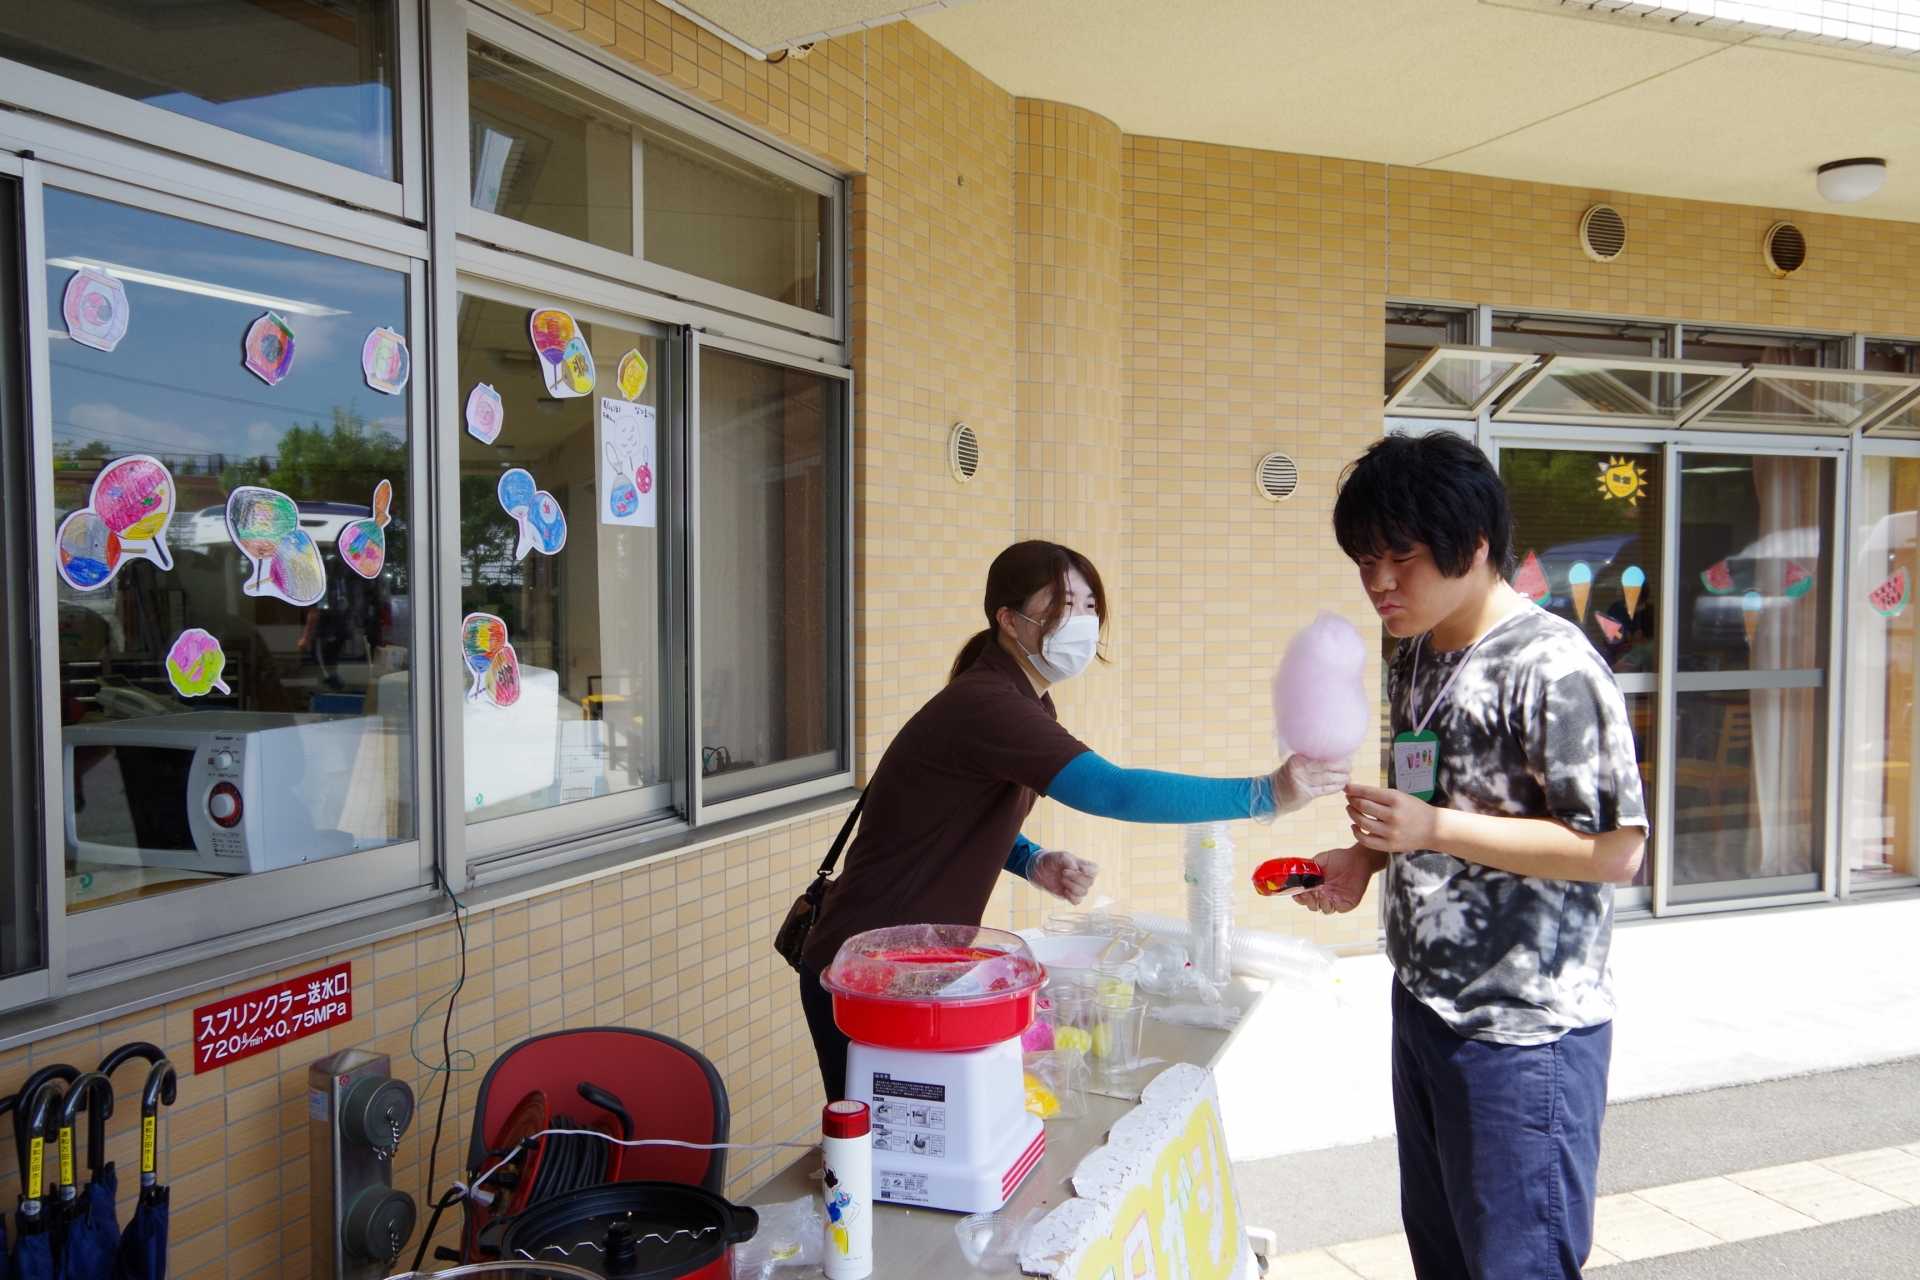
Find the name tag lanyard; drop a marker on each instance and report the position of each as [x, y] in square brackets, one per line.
[1416, 754]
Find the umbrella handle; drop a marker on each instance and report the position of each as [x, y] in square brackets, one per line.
[95, 1088]
[39, 1112]
[97, 1127]
[23, 1104]
[162, 1085]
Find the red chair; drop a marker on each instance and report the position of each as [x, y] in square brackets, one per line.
[667, 1089]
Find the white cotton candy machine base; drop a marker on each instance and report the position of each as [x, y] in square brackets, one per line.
[935, 1013]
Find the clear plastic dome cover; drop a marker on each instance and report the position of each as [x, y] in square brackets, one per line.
[921, 962]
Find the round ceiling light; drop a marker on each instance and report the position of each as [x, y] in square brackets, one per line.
[1845, 181]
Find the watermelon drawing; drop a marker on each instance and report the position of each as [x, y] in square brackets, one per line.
[1890, 598]
[1799, 581]
[1531, 581]
[1718, 580]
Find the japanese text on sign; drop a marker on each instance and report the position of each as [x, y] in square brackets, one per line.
[242, 1026]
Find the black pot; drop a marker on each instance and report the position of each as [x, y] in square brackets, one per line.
[634, 1231]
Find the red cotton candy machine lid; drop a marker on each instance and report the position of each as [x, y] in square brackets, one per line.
[940, 987]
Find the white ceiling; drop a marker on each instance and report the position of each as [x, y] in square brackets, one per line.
[1509, 88]
[766, 26]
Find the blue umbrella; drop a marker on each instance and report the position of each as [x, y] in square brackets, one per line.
[86, 1228]
[143, 1246]
[6, 1257]
[33, 1256]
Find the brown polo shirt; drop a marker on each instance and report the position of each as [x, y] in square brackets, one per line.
[945, 805]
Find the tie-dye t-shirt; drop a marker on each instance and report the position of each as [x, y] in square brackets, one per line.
[1534, 727]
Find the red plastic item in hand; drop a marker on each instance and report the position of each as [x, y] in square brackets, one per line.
[1284, 877]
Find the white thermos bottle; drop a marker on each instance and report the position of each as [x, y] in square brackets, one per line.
[846, 1132]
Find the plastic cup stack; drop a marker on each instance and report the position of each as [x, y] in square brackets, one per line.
[1210, 884]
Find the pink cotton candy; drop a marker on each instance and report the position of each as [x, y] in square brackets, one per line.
[1320, 704]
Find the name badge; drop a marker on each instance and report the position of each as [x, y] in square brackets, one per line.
[1415, 758]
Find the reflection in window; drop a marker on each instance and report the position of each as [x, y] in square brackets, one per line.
[1883, 732]
[1412, 331]
[773, 636]
[584, 610]
[314, 76]
[1749, 796]
[290, 740]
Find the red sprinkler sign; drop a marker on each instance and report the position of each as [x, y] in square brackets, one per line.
[242, 1026]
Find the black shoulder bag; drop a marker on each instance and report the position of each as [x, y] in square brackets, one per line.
[791, 941]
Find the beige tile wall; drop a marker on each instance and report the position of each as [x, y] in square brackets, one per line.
[1129, 323]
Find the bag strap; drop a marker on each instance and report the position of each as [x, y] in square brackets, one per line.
[840, 841]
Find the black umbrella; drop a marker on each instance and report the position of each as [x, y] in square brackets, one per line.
[143, 1247]
[88, 1233]
[33, 1256]
[6, 1257]
[22, 1125]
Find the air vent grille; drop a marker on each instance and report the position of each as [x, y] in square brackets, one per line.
[1277, 477]
[1603, 233]
[963, 452]
[1786, 249]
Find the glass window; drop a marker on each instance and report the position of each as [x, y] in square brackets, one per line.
[563, 561]
[1549, 335]
[1883, 794]
[22, 868]
[1618, 391]
[235, 597]
[549, 153]
[1457, 382]
[1827, 401]
[1414, 330]
[315, 76]
[1738, 346]
[773, 632]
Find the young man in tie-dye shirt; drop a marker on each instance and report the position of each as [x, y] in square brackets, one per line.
[1514, 809]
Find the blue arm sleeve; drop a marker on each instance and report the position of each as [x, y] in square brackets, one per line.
[1096, 786]
[1020, 861]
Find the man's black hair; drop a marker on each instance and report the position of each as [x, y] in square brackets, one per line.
[1436, 489]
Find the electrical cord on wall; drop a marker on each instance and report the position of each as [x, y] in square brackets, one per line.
[445, 1070]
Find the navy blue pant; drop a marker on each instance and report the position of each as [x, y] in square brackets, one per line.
[1499, 1144]
[830, 1043]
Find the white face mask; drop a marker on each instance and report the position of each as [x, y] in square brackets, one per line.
[1069, 650]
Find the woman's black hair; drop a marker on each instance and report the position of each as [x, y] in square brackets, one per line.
[1017, 574]
[1436, 489]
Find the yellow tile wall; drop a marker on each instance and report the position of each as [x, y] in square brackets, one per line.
[1129, 323]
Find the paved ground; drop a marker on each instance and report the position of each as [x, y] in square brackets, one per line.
[1324, 1198]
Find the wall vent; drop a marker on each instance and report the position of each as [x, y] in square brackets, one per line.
[1276, 477]
[1603, 233]
[1786, 249]
[963, 452]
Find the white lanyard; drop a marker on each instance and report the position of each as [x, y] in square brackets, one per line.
[1413, 680]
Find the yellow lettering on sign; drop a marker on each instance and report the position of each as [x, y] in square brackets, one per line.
[66, 1158]
[36, 1166]
[1184, 1223]
[147, 1127]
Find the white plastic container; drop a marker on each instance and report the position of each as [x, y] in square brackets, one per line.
[846, 1140]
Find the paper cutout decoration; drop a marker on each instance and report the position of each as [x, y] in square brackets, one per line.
[1531, 581]
[125, 519]
[1580, 580]
[565, 363]
[195, 663]
[265, 525]
[1609, 628]
[267, 350]
[1750, 606]
[543, 526]
[1632, 583]
[385, 361]
[486, 415]
[1799, 581]
[1623, 480]
[1718, 579]
[490, 660]
[626, 464]
[633, 375]
[363, 543]
[96, 309]
[1891, 597]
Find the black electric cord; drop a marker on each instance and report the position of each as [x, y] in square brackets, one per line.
[446, 1069]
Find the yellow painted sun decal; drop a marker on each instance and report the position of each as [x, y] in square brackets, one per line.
[1623, 480]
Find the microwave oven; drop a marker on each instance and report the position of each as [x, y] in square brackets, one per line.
[219, 791]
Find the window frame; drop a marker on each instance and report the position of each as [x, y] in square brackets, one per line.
[1515, 410]
[645, 101]
[63, 99]
[1701, 420]
[702, 810]
[1417, 373]
[104, 945]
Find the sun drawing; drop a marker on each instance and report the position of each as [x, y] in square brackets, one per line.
[1623, 479]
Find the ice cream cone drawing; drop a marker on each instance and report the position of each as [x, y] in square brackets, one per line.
[1750, 606]
[1632, 583]
[1580, 581]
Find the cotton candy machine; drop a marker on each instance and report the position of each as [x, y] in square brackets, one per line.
[935, 1013]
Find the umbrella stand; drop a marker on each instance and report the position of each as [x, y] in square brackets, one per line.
[84, 1222]
[143, 1247]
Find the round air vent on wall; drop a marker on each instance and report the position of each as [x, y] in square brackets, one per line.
[1603, 233]
[1786, 249]
[1276, 477]
[963, 452]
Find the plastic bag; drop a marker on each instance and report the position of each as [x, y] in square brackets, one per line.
[991, 1242]
[1211, 1017]
[790, 1235]
[1057, 1084]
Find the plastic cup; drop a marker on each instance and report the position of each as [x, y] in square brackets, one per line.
[1067, 924]
[1117, 1029]
[1072, 1019]
[1113, 983]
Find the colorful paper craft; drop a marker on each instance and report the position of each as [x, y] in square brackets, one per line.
[125, 519]
[96, 309]
[195, 663]
[265, 524]
[1750, 606]
[633, 375]
[543, 526]
[267, 350]
[1890, 598]
[1623, 480]
[490, 660]
[1580, 582]
[1798, 581]
[486, 414]
[1531, 581]
[626, 474]
[1632, 583]
[1609, 628]
[385, 361]
[363, 543]
[1717, 578]
[565, 363]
